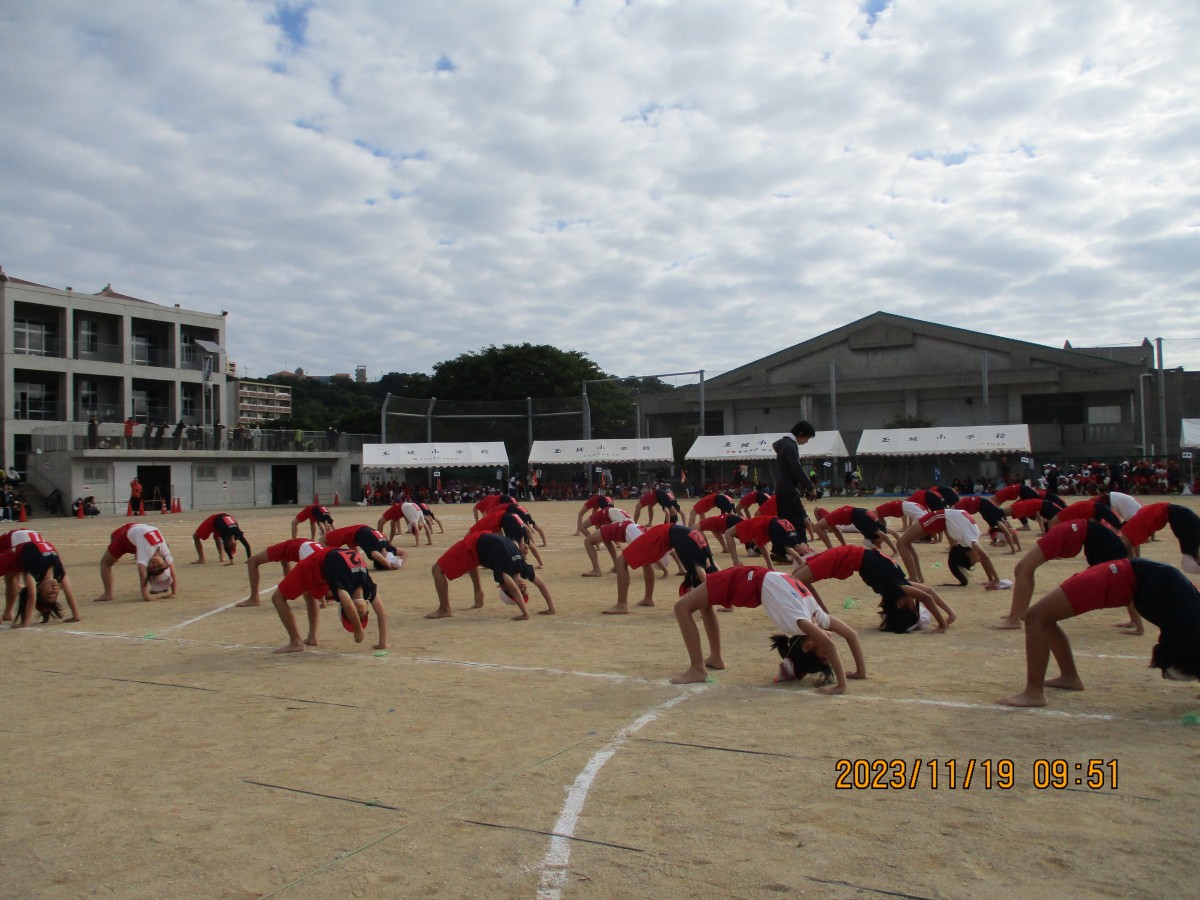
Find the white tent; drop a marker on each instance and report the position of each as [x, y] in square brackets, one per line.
[944, 441]
[436, 455]
[596, 451]
[738, 447]
[1190, 434]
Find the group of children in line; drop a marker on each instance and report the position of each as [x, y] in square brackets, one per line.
[332, 566]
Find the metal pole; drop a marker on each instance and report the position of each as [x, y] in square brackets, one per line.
[529, 421]
[987, 398]
[383, 419]
[1142, 402]
[429, 435]
[833, 391]
[1162, 400]
[703, 475]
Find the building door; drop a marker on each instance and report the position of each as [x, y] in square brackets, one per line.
[156, 486]
[284, 486]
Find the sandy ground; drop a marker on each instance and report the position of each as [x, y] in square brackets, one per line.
[161, 749]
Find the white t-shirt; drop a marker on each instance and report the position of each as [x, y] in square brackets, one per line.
[785, 604]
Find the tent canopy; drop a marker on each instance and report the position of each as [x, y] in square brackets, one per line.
[944, 441]
[758, 446]
[593, 451]
[437, 455]
[1190, 435]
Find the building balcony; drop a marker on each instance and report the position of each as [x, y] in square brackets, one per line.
[94, 352]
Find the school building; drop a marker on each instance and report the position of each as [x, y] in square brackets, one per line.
[79, 371]
[1080, 403]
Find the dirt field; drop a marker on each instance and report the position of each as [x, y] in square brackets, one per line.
[162, 750]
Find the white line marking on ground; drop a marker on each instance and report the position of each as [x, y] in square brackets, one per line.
[211, 612]
[558, 855]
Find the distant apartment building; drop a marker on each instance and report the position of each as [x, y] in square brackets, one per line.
[68, 356]
[256, 402]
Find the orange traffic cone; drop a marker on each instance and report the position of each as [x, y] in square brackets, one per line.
[166, 509]
[176, 505]
[23, 519]
[128, 508]
[79, 510]
[316, 499]
[141, 507]
[336, 501]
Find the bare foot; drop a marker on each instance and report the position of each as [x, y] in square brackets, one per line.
[290, 648]
[440, 614]
[311, 641]
[831, 689]
[617, 610]
[1024, 698]
[383, 646]
[1132, 631]
[100, 599]
[72, 619]
[595, 574]
[546, 612]
[646, 602]
[714, 662]
[150, 599]
[196, 562]
[478, 605]
[230, 563]
[691, 676]
[950, 619]
[7, 618]
[1065, 684]
[249, 601]
[520, 618]
[1007, 625]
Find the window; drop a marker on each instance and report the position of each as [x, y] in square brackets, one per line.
[89, 336]
[325, 472]
[189, 405]
[35, 401]
[95, 474]
[141, 350]
[240, 473]
[31, 337]
[206, 473]
[141, 404]
[89, 394]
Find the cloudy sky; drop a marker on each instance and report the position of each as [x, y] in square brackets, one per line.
[664, 185]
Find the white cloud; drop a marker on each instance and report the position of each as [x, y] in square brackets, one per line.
[662, 185]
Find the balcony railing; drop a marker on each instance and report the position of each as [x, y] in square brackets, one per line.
[111, 436]
[97, 352]
[45, 346]
[160, 358]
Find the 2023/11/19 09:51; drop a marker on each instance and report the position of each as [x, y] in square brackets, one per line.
[963, 774]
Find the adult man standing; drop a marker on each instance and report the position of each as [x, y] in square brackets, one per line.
[790, 477]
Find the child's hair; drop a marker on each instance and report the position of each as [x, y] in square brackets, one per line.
[960, 560]
[896, 618]
[46, 607]
[806, 662]
[1172, 653]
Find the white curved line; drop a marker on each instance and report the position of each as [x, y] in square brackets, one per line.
[558, 855]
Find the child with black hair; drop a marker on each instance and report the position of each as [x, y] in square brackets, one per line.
[862, 520]
[691, 552]
[1161, 593]
[383, 554]
[336, 571]
[719, 526]
[757, 532]
[994, 516]
[286, 553]
[37, 563]
[156, 566]
[610, 535]
[1097, 541]
[317, 517]
[1184, 523]
[903, 603]
[790, 605]
[961, 530]
[226, 534]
